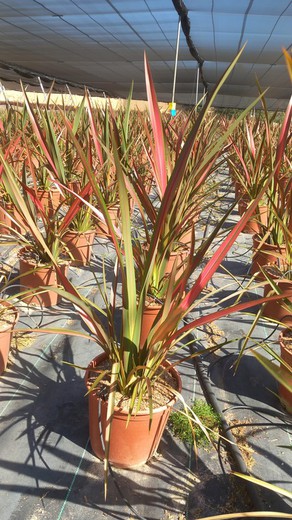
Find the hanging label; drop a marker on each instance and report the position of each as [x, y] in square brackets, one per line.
[172, 108]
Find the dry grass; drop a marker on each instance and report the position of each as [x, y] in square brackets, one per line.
[242, 430]
[22, 340]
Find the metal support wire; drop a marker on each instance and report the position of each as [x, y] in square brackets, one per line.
[176, 60]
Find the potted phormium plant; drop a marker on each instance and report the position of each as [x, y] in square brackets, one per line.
[248, 159]
[77, 227]
[106, 125]
[79, 238]
[272, 243]
[169, 249]
[42, 246]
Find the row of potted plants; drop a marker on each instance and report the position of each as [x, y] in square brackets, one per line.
[134, 378]
[262, 145]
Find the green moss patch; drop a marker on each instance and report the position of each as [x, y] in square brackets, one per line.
[187, 431]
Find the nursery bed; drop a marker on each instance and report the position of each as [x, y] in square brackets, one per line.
[48, 470]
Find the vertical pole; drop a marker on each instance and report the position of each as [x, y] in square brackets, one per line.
[175, 63]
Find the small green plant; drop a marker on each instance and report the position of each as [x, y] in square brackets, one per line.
[187, 431]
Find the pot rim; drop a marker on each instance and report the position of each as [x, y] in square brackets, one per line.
[170, 404]
[258, 239]
[76, 233]
[39, 265]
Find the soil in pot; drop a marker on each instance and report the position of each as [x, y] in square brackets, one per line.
[33, 275]
[8, 319]
[131, 444]
[285, 395]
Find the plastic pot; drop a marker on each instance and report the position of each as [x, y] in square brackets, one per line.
[131, 444]
[34, 276]
[79, 246]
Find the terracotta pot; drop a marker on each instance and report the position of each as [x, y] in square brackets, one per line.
[21, 225]
[50, 200]
[101, 227]
[6, 223]
[133, 444]
[252, 227]
[186, 236]
[286, 354]
[267, 254]
[233, 172]
[149, 315]
[39, 277]
[276, 309]
[181, 255]
[243, 202]
[79, 246]
[74, 186]
[7, 325]
[238, 189]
